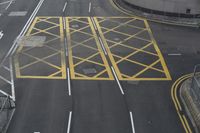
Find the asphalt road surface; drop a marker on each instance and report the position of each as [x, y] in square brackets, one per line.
[82, 66]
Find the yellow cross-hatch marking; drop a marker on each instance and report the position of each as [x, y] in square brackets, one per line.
[129, 42]
[132, 49]
[46, 61]
[86, 58]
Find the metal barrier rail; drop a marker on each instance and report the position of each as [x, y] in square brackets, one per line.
[6, 110]
[195, 84]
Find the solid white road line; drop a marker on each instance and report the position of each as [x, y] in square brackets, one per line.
[5, 2]
[7, 81]
[175, 54]
[102, 45]
[68, 79]
[14, 46]
[66, 49]
[1, 34]
[4, 93]
[12, 80]
[9, 4]
[5, 67]
[120, 87]
[64, 23]
[64, 7]
[69, 122]
[132, 123]
[90, 4]
[25, 28]
[95, 27]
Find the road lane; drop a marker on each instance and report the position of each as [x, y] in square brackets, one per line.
[42, 105]
[98, 106]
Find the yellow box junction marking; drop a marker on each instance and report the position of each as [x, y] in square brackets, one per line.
[132, 49]
[31, 61]
[86, 58]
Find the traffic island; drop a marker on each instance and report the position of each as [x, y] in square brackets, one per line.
[164, 12]
[191, 103]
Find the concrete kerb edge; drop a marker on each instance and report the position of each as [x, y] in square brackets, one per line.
[184, 88]
[162, 20]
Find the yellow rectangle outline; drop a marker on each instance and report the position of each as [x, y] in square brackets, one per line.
[167, 74]
[72, 71]
[63, 60]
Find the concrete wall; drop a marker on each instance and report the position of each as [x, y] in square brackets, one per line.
[175, 6]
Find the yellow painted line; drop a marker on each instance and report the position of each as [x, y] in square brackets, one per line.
[147, 68]
[70, 31]
[61, 69]
[177, 104]
[72, 71]
[158, 51]
[151, 42]
[107, 49]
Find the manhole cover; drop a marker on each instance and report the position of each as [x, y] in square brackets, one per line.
[89, 71]
[75, 26]
[117, 39]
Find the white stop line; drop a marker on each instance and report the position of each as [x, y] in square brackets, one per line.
[1, 34]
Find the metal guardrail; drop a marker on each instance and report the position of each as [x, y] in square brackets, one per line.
[195, 84]
[6, 108]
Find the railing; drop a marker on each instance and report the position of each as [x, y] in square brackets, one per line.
[195, 84]
[6, 109]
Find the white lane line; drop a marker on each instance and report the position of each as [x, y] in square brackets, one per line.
[12, 80]
[1, 34]
[132, 123]
[90, 4]
[64, 7]
[69, 122]
[120, 87]
[69, 83]
[7, 81]
[94, 23]
[4, 93]
[64, 23]
[102, 45]
[25, 28]
[9, 4]
[175, 54]
[5, 67]
[66, 49]
[15, 45]
[5, 2]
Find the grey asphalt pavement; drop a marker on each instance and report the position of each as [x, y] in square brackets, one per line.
[97, 103]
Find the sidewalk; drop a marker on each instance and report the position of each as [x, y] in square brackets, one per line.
[161, 17]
